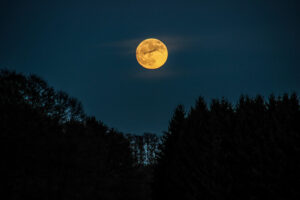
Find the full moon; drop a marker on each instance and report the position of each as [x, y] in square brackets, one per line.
[151, 53]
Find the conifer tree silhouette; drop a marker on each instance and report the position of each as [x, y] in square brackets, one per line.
[250, 151]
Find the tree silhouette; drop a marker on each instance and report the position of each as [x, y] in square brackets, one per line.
[51, 150]
[165, 184]
[144, 148]
[250, 151]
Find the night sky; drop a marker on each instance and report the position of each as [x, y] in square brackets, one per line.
[216, 48]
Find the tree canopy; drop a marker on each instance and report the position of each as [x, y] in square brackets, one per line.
[220, 151]
[50, 149]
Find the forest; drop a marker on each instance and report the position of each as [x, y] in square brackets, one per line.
[50, 149]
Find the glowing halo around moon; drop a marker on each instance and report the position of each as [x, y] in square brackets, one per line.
[151, 53]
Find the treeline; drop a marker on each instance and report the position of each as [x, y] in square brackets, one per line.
[50, 149]
[248, 151]
[144, 148]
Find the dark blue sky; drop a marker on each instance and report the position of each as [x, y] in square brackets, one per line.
[216, 48]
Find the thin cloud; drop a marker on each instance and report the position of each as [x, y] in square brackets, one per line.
[179, 43]
[127, 46]
[173, 43]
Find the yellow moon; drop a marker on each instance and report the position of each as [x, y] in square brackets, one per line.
[151, 53]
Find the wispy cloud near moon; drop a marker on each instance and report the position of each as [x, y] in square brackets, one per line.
[179, 43]
[173, 43]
